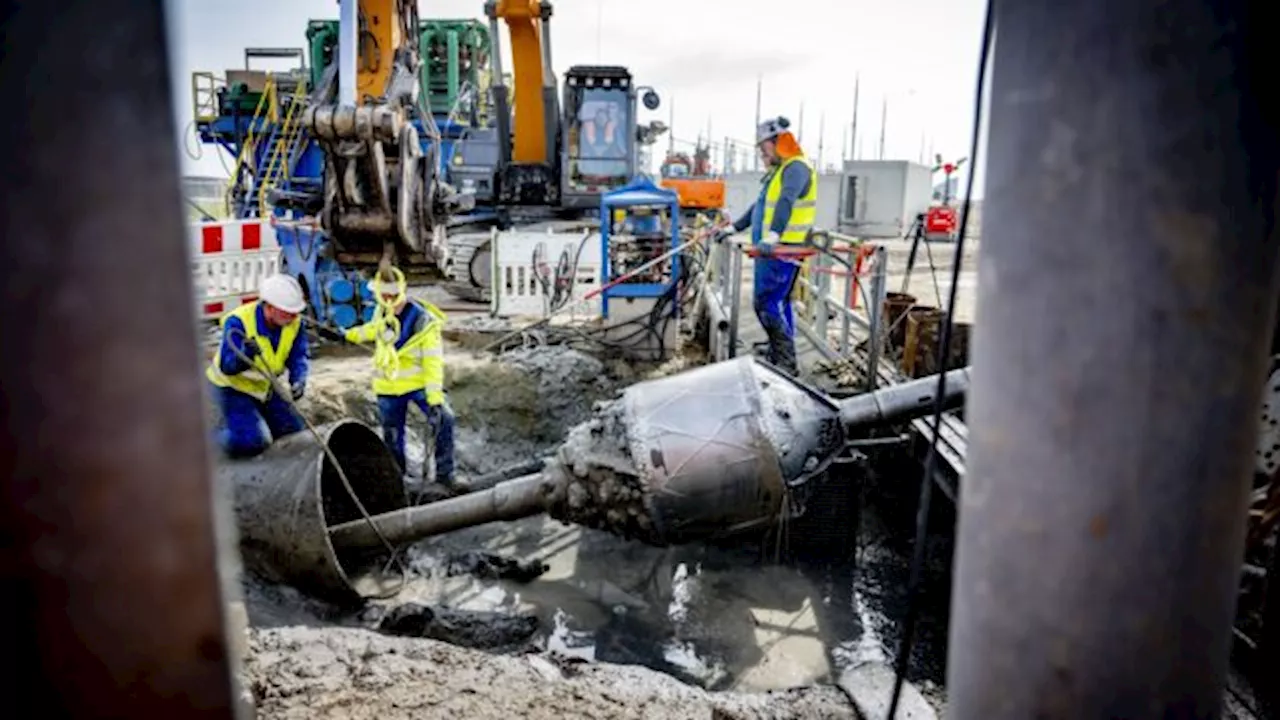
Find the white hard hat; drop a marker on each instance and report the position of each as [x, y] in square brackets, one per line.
[771, 128]
[283, 292]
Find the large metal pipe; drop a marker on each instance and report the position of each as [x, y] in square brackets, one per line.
[286, 497]
[906, 401]
[704, 453]
[1129, 276]
[113, 606]
[508, 500]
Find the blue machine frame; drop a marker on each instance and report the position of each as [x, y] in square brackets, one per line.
[639, 193]
[337, 294]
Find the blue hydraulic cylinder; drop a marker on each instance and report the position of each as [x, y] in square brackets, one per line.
[336, 295]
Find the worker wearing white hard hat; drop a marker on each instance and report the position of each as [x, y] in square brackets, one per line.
[262, 342]
[414, 376]
[783, 214]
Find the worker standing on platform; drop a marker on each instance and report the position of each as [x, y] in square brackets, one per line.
[261, 341]
[783, 214]
[409, 371]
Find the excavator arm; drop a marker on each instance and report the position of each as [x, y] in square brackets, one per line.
[382, 192]
[526, 22]
[528, 153]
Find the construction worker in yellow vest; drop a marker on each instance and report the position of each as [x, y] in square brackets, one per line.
[411, 373]
[783, 214]
[260, 340]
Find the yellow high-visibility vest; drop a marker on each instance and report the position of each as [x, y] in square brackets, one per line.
[420, 362]
[804, 212]
[269, 362]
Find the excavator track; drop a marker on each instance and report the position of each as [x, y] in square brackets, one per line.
[469, 271]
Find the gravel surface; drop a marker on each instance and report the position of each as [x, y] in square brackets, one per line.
[309, 673]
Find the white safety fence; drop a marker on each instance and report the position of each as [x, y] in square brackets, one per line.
[528, 264]
[230, 259]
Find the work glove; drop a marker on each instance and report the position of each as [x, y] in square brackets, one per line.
[771, 238]
[433, 418]
[297, 390]
[329, 333]
[250, 348]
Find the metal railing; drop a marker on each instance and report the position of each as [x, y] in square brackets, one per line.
[204, 96]
[864, 270]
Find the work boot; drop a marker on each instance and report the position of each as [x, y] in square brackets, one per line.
[786, 361]
[782, 351]
[454, 485]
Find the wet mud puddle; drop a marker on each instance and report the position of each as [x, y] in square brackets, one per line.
[716, 618]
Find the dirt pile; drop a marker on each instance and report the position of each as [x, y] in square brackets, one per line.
[509, 409]
[309, 673]
[519, 406]
[339, 387]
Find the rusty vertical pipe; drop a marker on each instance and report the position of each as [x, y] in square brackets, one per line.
[109, 574]
[1127, 296]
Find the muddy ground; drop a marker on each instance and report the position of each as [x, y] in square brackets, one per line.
[608, 628]
[536, 618]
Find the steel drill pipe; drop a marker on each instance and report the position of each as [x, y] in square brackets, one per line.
[705, 468]
[508, 500]
[1128, 289]
[112, 595]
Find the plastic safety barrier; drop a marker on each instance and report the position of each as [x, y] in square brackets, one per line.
[527, 265]
[230, 259]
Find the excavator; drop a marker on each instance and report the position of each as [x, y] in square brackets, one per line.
[543, 157]
[384, 192]
[556, 153]
[699, 188]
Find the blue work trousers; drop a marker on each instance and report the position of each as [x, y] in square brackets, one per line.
[774, 280]
[394, 410]
[247, 426]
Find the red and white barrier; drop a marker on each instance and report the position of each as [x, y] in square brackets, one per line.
[230, 259]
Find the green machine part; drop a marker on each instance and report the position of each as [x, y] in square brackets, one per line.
[455, 54]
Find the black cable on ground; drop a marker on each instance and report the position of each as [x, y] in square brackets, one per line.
[944, 354]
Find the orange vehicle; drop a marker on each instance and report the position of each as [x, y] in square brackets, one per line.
[699, 189]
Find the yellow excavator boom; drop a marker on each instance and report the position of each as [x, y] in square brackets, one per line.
[381, 31]
[523, 18]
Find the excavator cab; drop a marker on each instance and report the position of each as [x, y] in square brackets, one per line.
[676, 166]
[599, 144]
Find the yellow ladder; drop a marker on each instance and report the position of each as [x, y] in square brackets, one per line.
[266, 112]
[286, 143]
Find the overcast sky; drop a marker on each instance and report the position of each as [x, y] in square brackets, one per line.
[702, 56]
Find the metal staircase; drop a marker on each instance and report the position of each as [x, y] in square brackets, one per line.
[270, 150]
[283, 147]
[245, 171]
